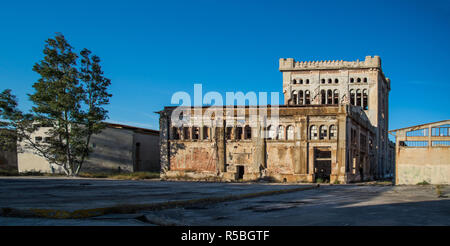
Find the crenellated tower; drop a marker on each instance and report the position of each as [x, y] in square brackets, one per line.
[359, 83]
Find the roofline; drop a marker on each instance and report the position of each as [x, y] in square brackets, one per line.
[252, 106]
[396, 130]
[134, 128]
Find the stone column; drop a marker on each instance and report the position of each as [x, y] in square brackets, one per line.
[219, 137]
[164, 124]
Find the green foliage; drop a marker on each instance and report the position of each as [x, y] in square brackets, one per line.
[423, 183]
[68, 98]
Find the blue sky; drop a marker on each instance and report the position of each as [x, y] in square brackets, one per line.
[151, 49]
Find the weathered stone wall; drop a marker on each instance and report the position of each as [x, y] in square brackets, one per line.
[288, 156]
[193, 156]
[344, 78]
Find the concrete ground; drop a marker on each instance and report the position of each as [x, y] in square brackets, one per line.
[327, 205]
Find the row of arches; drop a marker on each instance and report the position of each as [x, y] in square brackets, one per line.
[300, 81]
[359, 98]
[329, 96]
[185, 133]
[279, 132]
[358, 80]
[301, 97]
[329, 81]
[323, 132]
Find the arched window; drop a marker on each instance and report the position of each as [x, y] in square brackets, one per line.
[323, 132]
[358, 97]
[301, 81]
[323, 81]
[329, 97]
[313, 133]
[333, 132]
[307, 97]
[365, 100]
[248, 132]
[186, 133]
[175, 133]
[294, 98]
[195, 132]
[238, 135]
[205, 132]
[229, 132]
[365, 80]
[290, 133]
[271, 131]
[352, 80]
[294, 81]
[300, 97]
[336, 81]
[307, 81]
[336, 97]
[330, 81]
[323, 96]
[280, 133]
[352, 97]
[358, 80]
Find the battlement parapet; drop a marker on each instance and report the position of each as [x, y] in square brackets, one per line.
[289, 64]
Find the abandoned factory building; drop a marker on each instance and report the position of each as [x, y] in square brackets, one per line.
[332, 126]
[116, 148]
[423, 153]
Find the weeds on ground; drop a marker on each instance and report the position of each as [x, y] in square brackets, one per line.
[29, 173]
[320, 180]
[122, 176]
[423, 183]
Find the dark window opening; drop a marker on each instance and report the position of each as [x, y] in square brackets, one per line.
[187, 133]
[329, 97]
[240, 172]
[195, 133]
[323, 96]
[205, 132]
[336, 97]
[248, 132]
[228, 132]
[307, 97]
[238, 133]
[352, 97]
